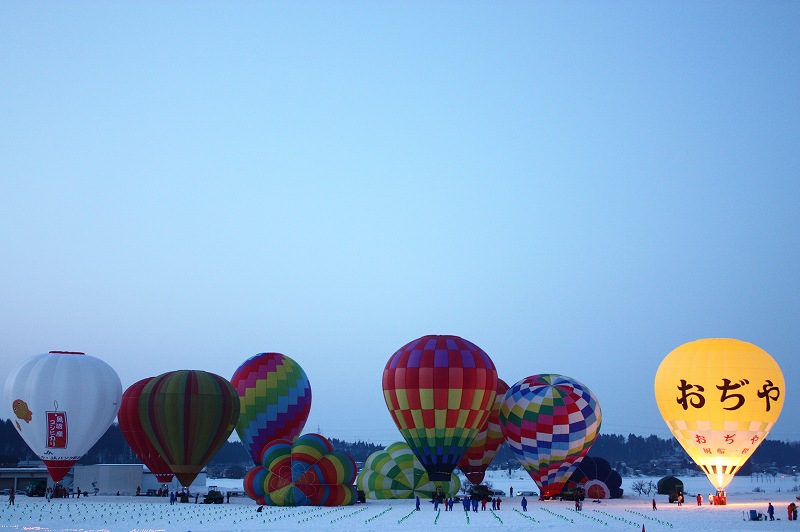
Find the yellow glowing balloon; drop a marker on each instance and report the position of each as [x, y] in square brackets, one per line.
[720, 397]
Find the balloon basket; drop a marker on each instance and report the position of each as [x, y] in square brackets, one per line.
[721, 499]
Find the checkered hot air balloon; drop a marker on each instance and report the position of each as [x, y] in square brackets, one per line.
[275, 401]
[550, 422]
[440, 391]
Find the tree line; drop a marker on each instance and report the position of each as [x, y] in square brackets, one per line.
[635, 452]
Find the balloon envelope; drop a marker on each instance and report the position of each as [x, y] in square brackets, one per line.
[720, 397]
[131, 427]
[396, 473]
[188, 415]
[306, 472]
[439, 390]
[550, 422]
[484, 447]
[62, 403]
[275, 398]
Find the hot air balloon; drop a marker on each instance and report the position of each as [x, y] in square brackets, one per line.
[62, 403]
[306, 472]
[439, 390]
[188, 415]
[396, 473]
[599, 481]
[550, 422]
[131, 427]
[719, 397]
[275, 398]
[486, 444]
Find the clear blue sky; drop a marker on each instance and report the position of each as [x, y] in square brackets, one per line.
[576, 187]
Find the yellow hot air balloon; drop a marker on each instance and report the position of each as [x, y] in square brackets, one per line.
[719, 397]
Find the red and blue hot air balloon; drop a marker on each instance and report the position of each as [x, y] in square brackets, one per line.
[440, 391]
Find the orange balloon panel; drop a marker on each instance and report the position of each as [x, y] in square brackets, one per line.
[719, 397]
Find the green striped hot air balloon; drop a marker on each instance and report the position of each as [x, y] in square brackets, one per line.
[396, 473]
[188, 415]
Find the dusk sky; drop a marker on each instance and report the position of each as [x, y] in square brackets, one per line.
[575, 187]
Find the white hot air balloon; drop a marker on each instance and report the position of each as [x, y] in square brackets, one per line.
[61, 403]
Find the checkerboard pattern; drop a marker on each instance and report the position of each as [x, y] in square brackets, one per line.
[439, 391]
[550, 422]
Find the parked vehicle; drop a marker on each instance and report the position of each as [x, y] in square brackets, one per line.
[214, 496]
[36, 488]
[483, 492]
[572, 494]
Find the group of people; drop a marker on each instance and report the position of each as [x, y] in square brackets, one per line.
[57, 491]
[467, 502]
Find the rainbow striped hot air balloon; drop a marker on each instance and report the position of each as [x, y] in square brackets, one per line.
[275, 398]
[439, 390]
[188, 415]
[550, 422]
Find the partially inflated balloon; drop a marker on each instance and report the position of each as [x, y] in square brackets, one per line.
[719, 397]
[486, 444]
[131, 427]
[550, 422]
[439, 390]
[188, 415]
[395, 473]
[275, 398]
[62, 402]
[306, 472]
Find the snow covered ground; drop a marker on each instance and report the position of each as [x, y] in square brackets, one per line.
[630, 513]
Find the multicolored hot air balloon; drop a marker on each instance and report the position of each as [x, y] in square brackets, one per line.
[275, 398]
[396, 473]
[439, 390]
[131, 427]
[307, 472]
[62, 403]
[720, 397]
[188, 415]
[486, 444]
[550, 422]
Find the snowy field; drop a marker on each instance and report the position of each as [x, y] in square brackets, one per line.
[630, 513]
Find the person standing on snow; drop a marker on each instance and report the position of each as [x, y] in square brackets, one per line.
[524, 503]
[771, 512]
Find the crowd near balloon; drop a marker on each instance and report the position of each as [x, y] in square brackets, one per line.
[720, 397]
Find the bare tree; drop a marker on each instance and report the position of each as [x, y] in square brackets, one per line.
[644, 487]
